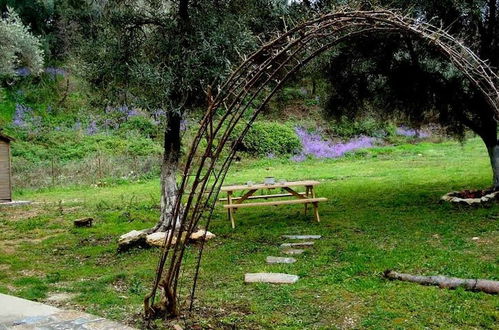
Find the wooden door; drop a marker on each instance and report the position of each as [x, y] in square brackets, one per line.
[5, 184]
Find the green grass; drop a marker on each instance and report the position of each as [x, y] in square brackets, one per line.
[383, 212]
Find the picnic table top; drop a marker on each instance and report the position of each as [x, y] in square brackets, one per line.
[270, 186]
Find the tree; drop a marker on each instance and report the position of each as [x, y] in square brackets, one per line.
[18, 47]
[398, 77]
[163, 56]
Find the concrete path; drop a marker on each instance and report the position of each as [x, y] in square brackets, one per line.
[17, 313]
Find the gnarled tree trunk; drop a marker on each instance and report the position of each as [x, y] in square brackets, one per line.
[493, 151]
[169, 169]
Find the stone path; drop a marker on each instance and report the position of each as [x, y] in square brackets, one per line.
[276, 278]
[17, 313]
[301, 236]
[292, 251]
[301, 244]
[280, 260]
[287, 248]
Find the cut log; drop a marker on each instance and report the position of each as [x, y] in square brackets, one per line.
[85, 222]
[487, 286]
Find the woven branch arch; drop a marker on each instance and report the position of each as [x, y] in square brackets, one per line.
[249, 88]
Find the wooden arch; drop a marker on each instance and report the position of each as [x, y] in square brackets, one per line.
[241, 98]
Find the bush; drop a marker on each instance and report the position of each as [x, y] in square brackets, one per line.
[142, 125]
[265, 138]
[346, 128]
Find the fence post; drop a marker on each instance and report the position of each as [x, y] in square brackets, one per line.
[53, 172]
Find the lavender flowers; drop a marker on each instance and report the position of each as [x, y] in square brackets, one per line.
[315, 146]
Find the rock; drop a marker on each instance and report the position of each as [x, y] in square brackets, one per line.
[293, 251]
[300, 244]
[135, 238]
[302, 236]
[158, 239]
[475, 238]
[276, 278]
[198, 235]
[85, 222]
[484, 200]
[280, 260]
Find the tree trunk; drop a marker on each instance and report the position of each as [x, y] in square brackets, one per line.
[493, 150]
[169, 169]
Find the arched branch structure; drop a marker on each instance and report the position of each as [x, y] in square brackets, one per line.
[241, 98]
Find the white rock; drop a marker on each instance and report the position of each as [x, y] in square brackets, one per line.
[300, 244]
[198, 235]
[476, 238]
[302, 236]
[131, 239]
[276, 278]
[280, 260]
[158, 239]
[293, 251]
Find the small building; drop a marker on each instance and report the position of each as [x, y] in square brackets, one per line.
[5, 169]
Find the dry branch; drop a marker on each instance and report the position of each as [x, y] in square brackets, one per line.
[444, 282]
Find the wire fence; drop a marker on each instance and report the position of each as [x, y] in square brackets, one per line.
[93, 170]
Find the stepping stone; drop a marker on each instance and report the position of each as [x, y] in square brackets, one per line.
[302, 236]
[280, 260]
[293, 251]
[276, 278]
[301, 244]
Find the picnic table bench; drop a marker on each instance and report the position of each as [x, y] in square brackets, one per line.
[307, 197]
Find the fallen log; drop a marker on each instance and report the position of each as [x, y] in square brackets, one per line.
[444, 282]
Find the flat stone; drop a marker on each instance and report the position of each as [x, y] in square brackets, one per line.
[198, 235]
[302, 236]
[300, 244]
[135, 238]
[275, 278]
[280, 260]
[293, 251]
[158, 239]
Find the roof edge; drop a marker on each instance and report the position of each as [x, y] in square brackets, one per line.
[6, 137]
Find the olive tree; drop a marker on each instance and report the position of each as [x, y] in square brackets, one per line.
[18, 46]
[397, 77]
[164, 56]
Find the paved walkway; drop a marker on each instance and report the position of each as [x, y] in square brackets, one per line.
[17, 313]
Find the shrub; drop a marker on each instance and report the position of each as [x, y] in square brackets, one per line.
[265, 138]
[142, 125]
[346, 128]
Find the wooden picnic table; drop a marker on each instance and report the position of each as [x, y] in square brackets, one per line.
[307, 197]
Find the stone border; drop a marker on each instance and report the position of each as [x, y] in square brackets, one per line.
[484, 200]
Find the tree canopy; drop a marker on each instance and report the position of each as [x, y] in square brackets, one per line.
[18, 46]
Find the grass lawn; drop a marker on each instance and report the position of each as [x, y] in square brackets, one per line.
[383, 212]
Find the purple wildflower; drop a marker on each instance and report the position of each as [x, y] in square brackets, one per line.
[314, 145]
[299, 158]
[158, 116]
[271, 155]
[92, 128]
[21, 114]
[23, 72]
[184, 124]
[409, 132]
[54, 72]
